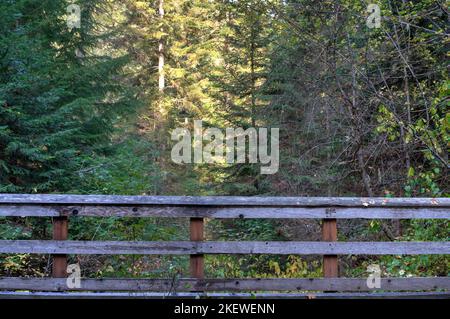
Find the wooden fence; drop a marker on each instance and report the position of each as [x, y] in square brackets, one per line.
[61, 207]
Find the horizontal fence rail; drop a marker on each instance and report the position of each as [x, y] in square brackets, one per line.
[221, 247]
[221, 212]
[272, 284]
[223, 201]
[196, 295]
[62, 208]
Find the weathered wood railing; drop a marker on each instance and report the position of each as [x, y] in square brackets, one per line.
[62, 207]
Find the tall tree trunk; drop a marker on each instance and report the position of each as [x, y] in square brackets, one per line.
[253, 76]
[161, 82]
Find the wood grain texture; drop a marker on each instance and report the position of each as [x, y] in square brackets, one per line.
[51, 199]
[192, 295]
[330, 262]
[223, 212]
[189, 284]
[196, 262]
[230, 247]
[60, 232]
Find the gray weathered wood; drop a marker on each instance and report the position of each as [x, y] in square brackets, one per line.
[193, 295]
[189, 284]
[28, 211]
[223, 212]
[222, 201]
[230, 247]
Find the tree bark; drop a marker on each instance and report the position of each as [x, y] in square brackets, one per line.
[161, 82]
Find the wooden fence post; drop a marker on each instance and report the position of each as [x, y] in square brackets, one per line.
[330, 262]
[60, 232]
[197, 261]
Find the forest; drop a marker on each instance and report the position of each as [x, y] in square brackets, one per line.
[90, 100]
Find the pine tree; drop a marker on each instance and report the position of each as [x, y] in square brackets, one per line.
[59, 95]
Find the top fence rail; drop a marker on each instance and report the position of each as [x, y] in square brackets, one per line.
[50, 199]
[223, 207]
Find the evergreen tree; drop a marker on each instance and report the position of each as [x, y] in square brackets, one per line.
[59, 95]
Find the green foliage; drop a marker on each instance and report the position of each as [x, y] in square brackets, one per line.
[127, 168]
[55, 106]
[261, 266]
